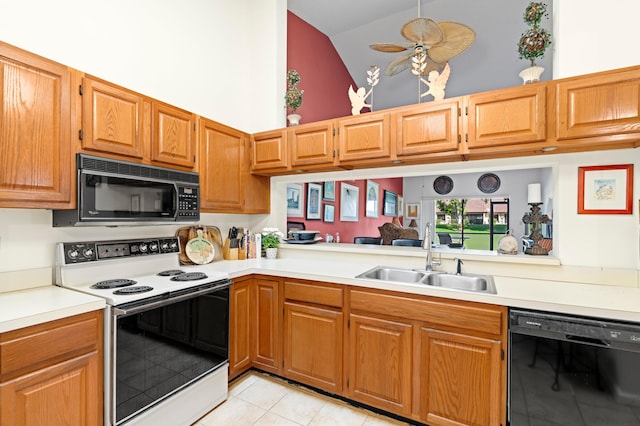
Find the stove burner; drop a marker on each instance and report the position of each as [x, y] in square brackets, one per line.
[170, 272]
[189, 276]
[133, 290]
[115, 283]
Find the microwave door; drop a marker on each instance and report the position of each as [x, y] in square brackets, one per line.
[116, 198]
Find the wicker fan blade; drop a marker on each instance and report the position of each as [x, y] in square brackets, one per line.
[432, 66]
[457, 38]
[423, 30]
[399, 64]
[391, 47]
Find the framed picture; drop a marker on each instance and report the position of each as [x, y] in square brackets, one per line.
[329, 213]
[329, 193]
[605, 189]
[390, 203]
[314, 193]
[349, 202]
[400, 208]
[373, 191]
[413, 211]
[295, 200]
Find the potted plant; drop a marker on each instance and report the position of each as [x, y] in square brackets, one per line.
[271, 241]
[293, 97]
[534, 41]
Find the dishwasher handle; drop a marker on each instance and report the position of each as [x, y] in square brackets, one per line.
[587, 340]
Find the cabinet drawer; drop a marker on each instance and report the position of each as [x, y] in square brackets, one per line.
[32, 348]
[313, 293]
[465, 315]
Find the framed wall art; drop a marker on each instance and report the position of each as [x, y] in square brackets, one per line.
[295, 200]
[314, 193]
[390, 203]
[329, 191]
[413, 211]
[329, 213]
[349, 202]
[373, 195]
[605, 189]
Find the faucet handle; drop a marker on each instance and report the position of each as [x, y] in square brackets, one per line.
[438, 261]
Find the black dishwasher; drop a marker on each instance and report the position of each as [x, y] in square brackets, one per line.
[570, 370]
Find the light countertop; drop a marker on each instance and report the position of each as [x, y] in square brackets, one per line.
[47, 303]
[24, 308]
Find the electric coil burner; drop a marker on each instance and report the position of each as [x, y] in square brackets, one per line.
[133, 290]
[159, 319]
[189, 276]
[115, 283]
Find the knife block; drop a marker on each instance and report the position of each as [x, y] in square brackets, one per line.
[236, 253]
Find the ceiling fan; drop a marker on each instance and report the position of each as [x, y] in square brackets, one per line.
[441, 41]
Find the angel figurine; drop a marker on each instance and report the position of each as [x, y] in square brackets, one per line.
[436, 83]
[358, 99]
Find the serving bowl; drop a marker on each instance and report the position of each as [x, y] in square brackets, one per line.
[304, 235]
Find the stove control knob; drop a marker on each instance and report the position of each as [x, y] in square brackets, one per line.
[73, 253]
[88, 252]
[173, 245]
[164, 246]
[153, 247]
[143, 247]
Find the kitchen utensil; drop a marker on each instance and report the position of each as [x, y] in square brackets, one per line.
[199, 250]
[209, 233]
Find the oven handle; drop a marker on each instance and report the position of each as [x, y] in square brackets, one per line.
[171, 299]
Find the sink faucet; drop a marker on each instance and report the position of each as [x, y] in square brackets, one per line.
[458, 265]
[426, 245]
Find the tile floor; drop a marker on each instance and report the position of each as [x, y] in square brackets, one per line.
[262, 400]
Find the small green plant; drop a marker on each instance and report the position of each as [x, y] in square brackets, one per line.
[535, 40]
[293, 97]
[271, 238]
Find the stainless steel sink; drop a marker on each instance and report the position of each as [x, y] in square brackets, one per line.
[464, 282]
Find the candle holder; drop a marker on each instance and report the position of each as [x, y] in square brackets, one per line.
[534, 218]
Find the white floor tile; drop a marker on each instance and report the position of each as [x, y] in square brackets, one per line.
[234, 412]
[264, 393]
[332, 414]
[300, 407]
[271, 419]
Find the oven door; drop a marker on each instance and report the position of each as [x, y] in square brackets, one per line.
[162, 347]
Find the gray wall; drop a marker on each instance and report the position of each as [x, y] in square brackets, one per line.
[490, 63]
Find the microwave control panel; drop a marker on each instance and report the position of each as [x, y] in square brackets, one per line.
[188, 204]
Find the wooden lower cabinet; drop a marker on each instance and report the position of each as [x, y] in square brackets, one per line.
[52, 373]
[380, 357]
[266, 324]
[460, 379]
[239, 327]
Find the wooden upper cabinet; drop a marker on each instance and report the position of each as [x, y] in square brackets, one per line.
[428, 128]
[364, 137]
[36, 168]
[507, 117]
[269, 151]
[604, 104]
[312, 144]
[112, 119]
[221, 153]
[173, 136]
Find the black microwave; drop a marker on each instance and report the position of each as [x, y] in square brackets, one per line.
[112, 192]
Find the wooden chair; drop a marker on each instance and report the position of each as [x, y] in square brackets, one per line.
[406, 242]
[367, 240]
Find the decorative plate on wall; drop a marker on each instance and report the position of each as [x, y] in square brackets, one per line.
[443, 185]
[488, 183]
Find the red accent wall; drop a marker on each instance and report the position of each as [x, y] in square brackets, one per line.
[323, 76]
[365, 226]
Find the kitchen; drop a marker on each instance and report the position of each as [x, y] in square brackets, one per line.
[29, 231]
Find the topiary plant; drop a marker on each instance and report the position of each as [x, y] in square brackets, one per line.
[293, 97]
[535, 40]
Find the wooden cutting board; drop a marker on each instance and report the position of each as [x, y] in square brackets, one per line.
[209, 233]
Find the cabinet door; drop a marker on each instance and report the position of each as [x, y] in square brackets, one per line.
[428, 128]
[266, 325]
[312, 144]
[507, 117]
[36, 168]
[365, 137]
[269, 151]
[313, 346]
[599, 105]
[173, 136]
[380, 363]
[67, 393]
[221, 153]
[460, 379]
[112, 119]
[239, 328]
